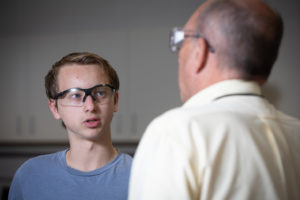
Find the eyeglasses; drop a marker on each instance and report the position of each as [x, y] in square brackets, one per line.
[177, 36]
[101, 94]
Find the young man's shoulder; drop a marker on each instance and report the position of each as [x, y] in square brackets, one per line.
[41, 163]
[123, 160]
[125, 157]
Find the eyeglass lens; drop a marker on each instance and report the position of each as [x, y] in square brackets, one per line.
[176, 39]
[178, 35]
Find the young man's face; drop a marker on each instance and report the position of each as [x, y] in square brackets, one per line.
[91, 120]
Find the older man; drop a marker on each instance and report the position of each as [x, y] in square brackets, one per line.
[226, 141]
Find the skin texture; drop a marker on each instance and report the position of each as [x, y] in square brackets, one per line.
[90, 143]
[195, 61]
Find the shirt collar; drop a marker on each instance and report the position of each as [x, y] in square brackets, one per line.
[219, 89]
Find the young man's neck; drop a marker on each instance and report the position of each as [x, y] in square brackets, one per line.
[89, 155]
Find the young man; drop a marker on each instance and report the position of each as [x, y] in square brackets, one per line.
[83, 93]
[227, 141]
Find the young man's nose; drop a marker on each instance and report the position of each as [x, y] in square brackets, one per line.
[89, 103]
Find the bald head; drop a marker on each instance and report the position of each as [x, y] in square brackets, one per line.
[246, 35]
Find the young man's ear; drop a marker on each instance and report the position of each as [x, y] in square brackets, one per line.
[53, 108]
[116, 101]
[201, 54]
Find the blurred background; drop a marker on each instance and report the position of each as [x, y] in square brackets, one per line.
[133, 36]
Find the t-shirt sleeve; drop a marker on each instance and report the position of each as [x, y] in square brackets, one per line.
[15, 191]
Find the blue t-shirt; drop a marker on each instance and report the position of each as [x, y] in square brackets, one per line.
[48, 177]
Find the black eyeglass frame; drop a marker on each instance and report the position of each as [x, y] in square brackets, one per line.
[87, 92]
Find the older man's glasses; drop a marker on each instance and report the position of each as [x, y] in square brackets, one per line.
[102, 94]
[177, 36]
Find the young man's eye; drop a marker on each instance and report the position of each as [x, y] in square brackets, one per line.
[101, 93]
[75, 96]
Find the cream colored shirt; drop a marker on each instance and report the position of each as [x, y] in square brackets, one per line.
[221, 144]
